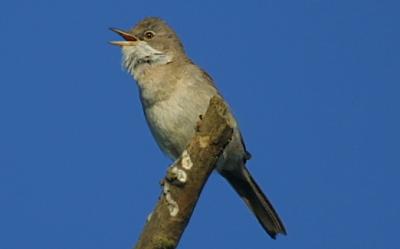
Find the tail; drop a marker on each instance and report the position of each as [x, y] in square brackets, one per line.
[247, 188]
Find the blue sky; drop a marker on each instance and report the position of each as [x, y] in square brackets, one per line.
[314, 84]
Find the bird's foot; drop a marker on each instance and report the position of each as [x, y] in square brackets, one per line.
[176, 176]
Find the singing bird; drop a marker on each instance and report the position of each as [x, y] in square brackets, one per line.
[174, 92]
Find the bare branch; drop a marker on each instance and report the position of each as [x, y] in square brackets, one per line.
[185, 180]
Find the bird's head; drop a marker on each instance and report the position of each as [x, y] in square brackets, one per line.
[150, 42]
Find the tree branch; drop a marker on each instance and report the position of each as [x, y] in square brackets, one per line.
[185, 180]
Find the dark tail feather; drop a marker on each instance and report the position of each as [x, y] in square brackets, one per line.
[247, 188]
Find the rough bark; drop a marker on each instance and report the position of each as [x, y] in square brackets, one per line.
[185, 180]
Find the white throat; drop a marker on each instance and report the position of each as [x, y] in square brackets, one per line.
[136, 59]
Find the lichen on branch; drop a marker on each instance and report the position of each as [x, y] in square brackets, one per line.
[186, 178]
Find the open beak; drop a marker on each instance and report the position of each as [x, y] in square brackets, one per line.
[130, 40]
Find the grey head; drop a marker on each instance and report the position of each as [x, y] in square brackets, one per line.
[150, 43]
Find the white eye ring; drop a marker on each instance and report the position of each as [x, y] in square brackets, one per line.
[149, 34]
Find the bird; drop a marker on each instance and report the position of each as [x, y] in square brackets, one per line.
[174, 91]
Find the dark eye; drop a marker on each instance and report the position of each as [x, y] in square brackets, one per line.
[149, 34]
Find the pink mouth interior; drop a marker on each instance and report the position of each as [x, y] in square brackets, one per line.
[128, 37]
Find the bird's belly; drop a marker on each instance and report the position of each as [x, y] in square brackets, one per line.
[172, 123]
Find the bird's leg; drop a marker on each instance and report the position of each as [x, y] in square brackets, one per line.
[176, 175]
[198, 123]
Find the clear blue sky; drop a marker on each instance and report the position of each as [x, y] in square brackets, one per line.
[314, 84]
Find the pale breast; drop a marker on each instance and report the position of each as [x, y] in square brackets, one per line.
[172, 105]
[172, 121]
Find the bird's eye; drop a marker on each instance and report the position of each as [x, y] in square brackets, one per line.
[149, 34]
